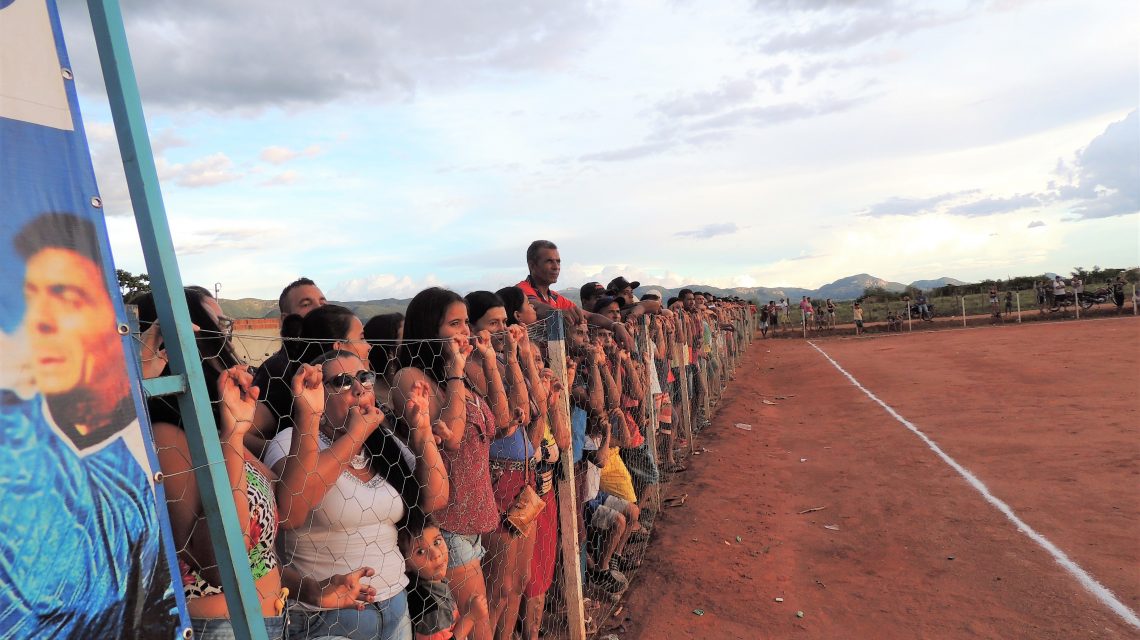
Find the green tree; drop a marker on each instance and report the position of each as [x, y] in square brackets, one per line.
[131, 285]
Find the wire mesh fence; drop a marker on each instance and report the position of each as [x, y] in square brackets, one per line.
[467, 467]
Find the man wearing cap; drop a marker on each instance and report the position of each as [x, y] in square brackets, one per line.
[623, 288]
[590, 293]
[544, 264]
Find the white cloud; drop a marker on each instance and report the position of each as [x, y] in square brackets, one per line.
[282, 179]
[1106, 174]
[281, 155]
[382, 285]
[207, 171]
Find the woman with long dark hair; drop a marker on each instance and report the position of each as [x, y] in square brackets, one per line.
[383, 333]
[507, 564]
[554, 427]
[437, 344]
[233, 401]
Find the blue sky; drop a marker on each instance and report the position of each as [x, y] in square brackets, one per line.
[383, 147]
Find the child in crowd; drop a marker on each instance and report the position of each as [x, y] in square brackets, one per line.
[609, 519]
[431, 606]
[858, 312]
[894, 323]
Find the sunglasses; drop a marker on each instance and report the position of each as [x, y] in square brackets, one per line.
[342, 382]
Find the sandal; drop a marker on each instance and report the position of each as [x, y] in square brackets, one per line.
[674, 467]
[608, 580]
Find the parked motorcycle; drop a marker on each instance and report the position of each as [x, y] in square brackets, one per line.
[928, 316]
[1100, 296]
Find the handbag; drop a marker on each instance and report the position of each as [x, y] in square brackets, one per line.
[520, 516]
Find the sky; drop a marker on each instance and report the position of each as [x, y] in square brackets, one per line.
[381, 147]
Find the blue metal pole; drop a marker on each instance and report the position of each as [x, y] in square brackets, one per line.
[174, 318]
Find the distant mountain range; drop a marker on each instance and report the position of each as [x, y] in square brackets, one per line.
[847, 288]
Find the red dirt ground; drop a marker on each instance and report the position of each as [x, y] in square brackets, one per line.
[1045, 414]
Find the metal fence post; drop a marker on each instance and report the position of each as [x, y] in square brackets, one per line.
[166, 284]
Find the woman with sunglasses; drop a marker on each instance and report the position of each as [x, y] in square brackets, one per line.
[357, 484]
[327, 328]
[435, 350]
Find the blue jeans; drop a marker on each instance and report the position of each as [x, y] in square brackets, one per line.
[387, 620]
[221, 629]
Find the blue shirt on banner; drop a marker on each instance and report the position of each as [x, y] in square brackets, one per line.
[97, 515]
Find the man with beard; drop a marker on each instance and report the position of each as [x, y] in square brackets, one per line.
[82, 553]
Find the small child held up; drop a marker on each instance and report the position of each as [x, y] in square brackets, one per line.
[431, 607]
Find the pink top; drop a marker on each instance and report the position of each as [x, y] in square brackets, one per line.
[470, 506]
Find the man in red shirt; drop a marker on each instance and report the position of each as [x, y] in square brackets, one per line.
[544, 264]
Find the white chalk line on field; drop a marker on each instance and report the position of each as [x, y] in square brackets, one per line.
[1099, 591]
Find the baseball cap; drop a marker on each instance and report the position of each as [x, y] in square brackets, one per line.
[619, 283]
[591, 289]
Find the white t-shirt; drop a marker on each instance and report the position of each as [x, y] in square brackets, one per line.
[593, 471]
[651, 369]
[1078, 286]
[1058, 287]
[354, 526]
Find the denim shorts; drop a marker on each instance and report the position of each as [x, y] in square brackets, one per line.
[221, 629]
[462, 549]
[387, 620]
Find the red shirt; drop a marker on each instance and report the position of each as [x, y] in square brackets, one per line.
[562, 303]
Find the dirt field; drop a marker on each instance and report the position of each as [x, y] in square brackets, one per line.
[913, 550]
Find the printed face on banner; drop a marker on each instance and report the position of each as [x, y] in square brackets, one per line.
[83, 530]
[68, 317]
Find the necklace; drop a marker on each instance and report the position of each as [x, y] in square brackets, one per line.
[358, 461]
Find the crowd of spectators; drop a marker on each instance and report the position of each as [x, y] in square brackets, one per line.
[402, 476]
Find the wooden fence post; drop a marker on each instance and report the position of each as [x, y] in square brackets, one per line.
[567, 495]
[653, 501]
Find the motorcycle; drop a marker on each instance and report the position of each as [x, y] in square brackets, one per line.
[913, 310]
[1100, 296]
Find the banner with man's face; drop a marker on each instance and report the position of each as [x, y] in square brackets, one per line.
[85, 548]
